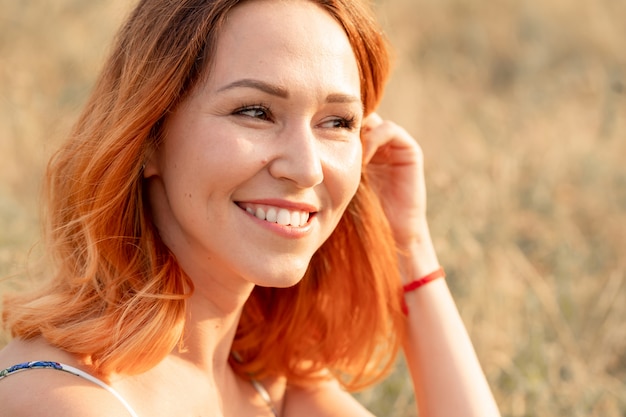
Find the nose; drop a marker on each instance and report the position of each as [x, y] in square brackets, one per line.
[298, 158]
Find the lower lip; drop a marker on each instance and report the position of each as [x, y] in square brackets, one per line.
[289, 232]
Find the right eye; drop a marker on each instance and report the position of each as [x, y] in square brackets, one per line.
[257, 111]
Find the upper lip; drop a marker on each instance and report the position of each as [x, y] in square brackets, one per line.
[286, 204]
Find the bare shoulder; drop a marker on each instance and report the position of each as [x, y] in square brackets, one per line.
[48, 392]
[325, 399]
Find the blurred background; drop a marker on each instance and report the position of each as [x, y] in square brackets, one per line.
[520, 107]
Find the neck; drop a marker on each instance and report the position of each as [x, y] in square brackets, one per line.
[212, 319]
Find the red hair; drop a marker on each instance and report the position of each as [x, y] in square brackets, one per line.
[117, 297]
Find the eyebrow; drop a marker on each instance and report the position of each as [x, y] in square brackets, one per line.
[281, 92]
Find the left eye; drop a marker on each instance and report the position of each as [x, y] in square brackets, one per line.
[339, 123]
[255, 112]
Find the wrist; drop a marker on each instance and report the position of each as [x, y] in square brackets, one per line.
[421, 281]
[417, 257]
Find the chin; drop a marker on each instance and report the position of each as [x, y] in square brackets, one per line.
[282, 277]
[279, 282]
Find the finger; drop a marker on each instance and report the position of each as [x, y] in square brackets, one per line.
[371, 122]
[380, 137]
[371, 136]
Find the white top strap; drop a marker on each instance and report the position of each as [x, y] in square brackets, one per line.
[69, 369]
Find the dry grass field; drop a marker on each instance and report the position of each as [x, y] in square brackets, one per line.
[520, 107]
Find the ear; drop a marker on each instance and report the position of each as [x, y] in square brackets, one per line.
[151, 166]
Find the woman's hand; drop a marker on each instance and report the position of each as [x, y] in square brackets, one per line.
[395, 167]
[440, 356]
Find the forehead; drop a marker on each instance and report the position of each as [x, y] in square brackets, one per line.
[285, 39]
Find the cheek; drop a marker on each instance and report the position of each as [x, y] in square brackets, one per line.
[344, 172]
[355, 169]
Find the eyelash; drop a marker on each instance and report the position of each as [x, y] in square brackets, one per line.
[347, 122]
[255, 107]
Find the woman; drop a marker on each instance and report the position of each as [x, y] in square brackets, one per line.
[231, 225]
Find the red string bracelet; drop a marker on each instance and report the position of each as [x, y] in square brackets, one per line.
[419, 282]
[415, 284]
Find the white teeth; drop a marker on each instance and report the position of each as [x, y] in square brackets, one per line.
[282, 216]
[295, 218]
[271, 214]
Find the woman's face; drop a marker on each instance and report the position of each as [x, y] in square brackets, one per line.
[260, 161]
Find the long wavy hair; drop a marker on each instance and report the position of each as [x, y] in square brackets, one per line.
[117, 296]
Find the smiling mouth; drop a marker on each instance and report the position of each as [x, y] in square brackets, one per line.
[278, 215]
